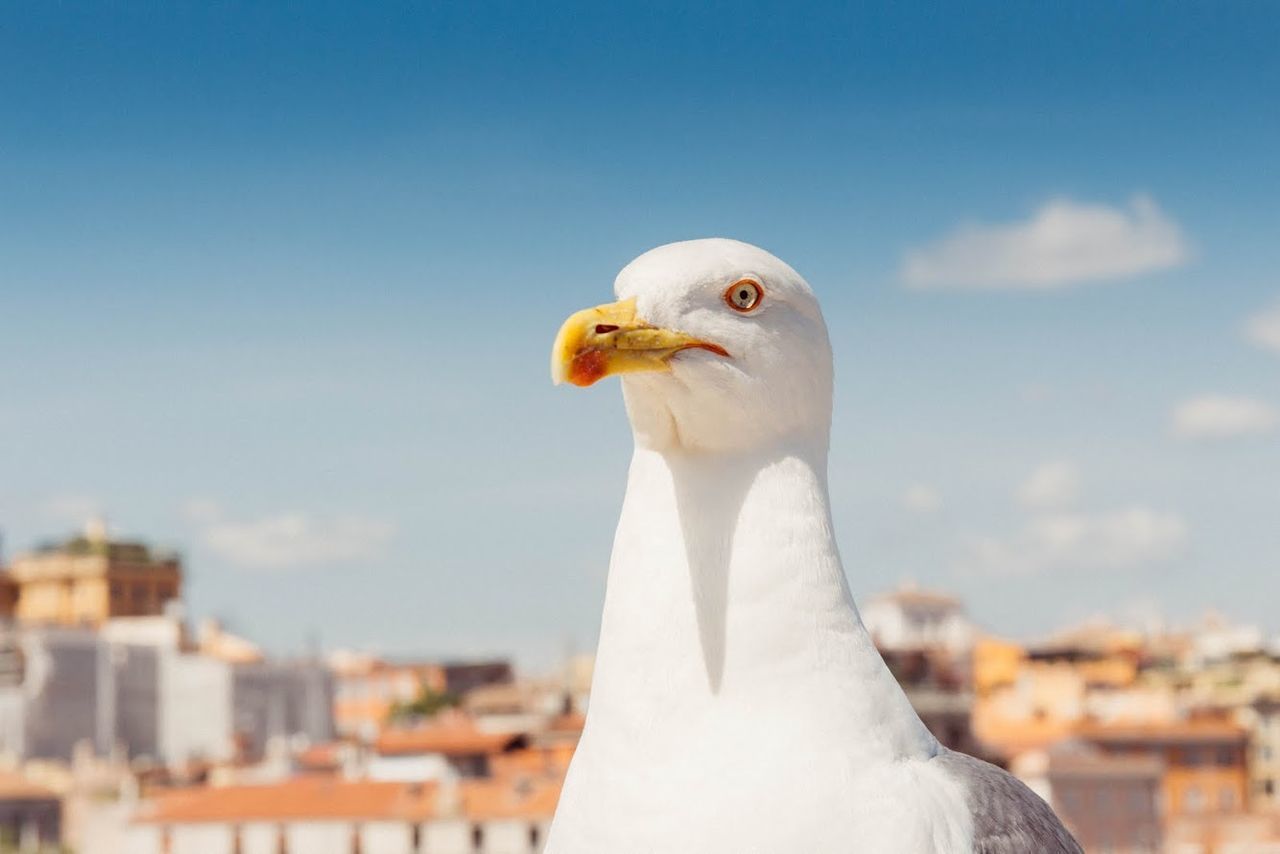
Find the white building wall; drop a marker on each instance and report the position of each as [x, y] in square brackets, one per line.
[386, 837]
[320, 837]
[447, 836]
[195, 708]
[139, 839]
[409, 769]
[211, 838]
[506, 837]
[260, 837]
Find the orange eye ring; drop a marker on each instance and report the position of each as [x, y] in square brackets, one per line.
[744, 295]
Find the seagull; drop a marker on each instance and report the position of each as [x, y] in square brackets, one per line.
[739, 706]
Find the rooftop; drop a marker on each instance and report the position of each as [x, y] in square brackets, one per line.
[300, 798]
[461, 739]
[912, 596]
[319, 798]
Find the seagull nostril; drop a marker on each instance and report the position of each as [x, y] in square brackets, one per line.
[603, 328]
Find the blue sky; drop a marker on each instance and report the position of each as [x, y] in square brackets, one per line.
[278, 285]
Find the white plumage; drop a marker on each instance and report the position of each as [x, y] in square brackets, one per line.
[738, 705]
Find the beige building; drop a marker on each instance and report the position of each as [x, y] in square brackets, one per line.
[88, 580]
[1263, 720]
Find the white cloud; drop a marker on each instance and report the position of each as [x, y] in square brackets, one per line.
[1119, 540]
[1263, 328]
[922, 499]
[1052, 485]
[1064, 243]
[288, 540]
[1220, 417]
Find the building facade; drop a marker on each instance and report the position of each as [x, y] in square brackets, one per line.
[1205, 762]
[88, 580]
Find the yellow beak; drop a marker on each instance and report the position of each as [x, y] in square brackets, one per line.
[610, 339]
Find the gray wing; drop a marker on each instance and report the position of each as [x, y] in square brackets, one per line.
[1008, 818]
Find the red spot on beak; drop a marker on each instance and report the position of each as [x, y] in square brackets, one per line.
[587, 367]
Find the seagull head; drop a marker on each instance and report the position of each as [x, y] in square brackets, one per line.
[719, 344]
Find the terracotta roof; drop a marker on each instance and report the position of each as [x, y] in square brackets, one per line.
[531, 798]
[548, 760]
[568, 722]
[299, 798]
[305, 798]
[449, 740]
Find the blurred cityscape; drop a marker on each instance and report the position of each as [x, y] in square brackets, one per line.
[123, 728]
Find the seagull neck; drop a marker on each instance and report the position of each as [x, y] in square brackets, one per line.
[725, 572]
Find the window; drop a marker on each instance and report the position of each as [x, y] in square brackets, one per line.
[477, 837]
[534, 837]
[1193, 800]
[1226, 757]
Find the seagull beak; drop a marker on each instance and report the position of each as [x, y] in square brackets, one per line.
[610, 339]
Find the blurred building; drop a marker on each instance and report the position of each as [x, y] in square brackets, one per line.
[452, 748]
[30, 815]
[1262, 717]
[462, 677]
[280, 700]
[911, 618]
[1205, 761]
[1110, 802]
[130, 689]
[89, 579]
[136, 687]
[1238, 833]
[328, 816]
[367, 690]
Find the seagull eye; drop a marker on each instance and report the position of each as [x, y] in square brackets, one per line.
[744, 295]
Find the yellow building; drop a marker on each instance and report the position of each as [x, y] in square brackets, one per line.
[89, 579]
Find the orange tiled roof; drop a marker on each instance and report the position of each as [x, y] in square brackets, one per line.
[530, 798]
[552, 759]
[450, 740]
[325, 798]
[568, 722]
[300, 798]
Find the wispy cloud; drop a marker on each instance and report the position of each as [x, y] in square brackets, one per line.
[1064, 243]
[290, 539]
[1215, 417]
[1056, 536]
[1118, 540]
[922, 499]
[1263, 328]
[1052, 485]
